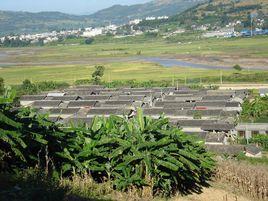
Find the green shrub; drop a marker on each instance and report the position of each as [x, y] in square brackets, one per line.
[29, 88]
[2, 86]
[261, 140]
[28, 140]
[237, 67]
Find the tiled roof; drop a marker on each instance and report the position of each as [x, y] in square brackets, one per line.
[46, 103]
[82, 103]
[32, 97]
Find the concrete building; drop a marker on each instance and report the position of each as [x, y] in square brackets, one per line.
[248, 130]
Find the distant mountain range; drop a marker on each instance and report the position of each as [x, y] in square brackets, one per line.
[26, 22]
[120, 14]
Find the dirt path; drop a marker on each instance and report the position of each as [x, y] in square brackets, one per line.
[243, 86]
[213, 194]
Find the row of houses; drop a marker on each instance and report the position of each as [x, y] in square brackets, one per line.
[210, 114]
[229, 32]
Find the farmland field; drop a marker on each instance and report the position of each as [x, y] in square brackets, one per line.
[121, 58]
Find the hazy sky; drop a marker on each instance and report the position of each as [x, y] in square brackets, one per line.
[67, 6]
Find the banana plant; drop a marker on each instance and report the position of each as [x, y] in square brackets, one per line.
[139, 152]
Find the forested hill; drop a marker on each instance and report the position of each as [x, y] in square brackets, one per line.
[222, 12]
[26, 22]
[121, 14]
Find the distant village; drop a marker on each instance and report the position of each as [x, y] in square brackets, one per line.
[120, 31]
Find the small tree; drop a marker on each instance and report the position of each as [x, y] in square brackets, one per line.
[28, 88]
[88, 41]
[237, 67]
[197, 115]
[2, 86]
[98, 74]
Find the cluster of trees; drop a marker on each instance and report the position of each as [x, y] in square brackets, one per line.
[27, 87]
[130, 153]
[19, 43]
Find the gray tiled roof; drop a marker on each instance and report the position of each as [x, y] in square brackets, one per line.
[130, 97]
[205, 112]
[46, 103]
[186, 91]
[63, 110]
[65, 98]
[108, 111]
[252, 149]
[211, 103]
[82, 103]
[97, 97]
[252, 126]
[217, 126]
[215, 137]
[160, 111]
[182, 98]
[118, 102]
[226, 149]
[232, 104]
[174, 104]
[145, 93]
[194, 123]
[79, 92]
[201, 135]
[32, 97]
[217, 97]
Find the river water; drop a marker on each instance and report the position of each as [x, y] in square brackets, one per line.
[166, 62]
[174, 62]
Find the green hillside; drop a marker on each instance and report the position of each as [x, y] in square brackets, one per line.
[26, 22]
[222, 12]
[121, 14]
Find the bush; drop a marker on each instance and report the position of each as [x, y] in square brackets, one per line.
[2, 86]
[88, 41]
[261, 140]
[237, 67]
[29, 88]
[28, 140]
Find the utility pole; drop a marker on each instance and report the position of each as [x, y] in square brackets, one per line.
[221, 77]
[109, 76]
[251, 24]
[252, 16]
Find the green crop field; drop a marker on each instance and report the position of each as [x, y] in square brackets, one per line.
[114, 71]
[76, 61]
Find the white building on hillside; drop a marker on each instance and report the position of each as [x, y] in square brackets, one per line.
[134, 22]
[93, 32]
